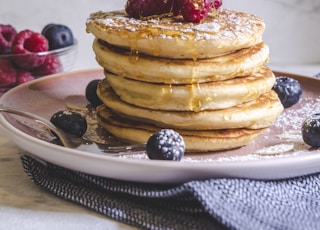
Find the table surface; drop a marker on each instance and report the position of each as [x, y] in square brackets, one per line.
[25, 206]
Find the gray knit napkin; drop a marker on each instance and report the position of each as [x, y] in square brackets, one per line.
[225, 203]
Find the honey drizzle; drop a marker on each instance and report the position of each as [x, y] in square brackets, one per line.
[195, 102]
[134, 55]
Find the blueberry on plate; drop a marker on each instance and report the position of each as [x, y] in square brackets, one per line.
[311, 130]
[58, 36]
[288, 89]
[91, 93]
[71, 122]
[166, 145]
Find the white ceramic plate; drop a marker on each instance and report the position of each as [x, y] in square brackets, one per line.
[48, 95]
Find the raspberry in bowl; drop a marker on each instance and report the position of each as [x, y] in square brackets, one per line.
[27, 54]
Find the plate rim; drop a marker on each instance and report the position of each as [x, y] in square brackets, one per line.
[206, 167]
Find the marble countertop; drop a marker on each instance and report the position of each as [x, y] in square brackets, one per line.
[24, 206]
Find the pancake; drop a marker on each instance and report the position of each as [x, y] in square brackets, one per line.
[146, 68]
[174, 38]
[196, 141]
[206, 80]
[256, 114]
[192, 97]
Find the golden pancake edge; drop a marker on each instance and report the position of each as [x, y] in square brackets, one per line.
[191, 97]
[147, 68]
[256, 114]
[196, 141]
[205, 80]
[174, 38]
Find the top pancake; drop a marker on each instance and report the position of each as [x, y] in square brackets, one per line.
[169, 37]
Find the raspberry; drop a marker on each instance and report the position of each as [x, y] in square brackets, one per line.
[288, 89]
[217, 3]
[166, 145]
[50, 65]
[8, 74]
[193, 10]
[27, 43]
[145, 8]
[24, 76]
[178, 5]
[7, 34]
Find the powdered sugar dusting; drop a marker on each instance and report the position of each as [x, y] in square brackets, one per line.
[213, 27]
[289, 139]
[230, 24]
[294, 118]
[275, 149]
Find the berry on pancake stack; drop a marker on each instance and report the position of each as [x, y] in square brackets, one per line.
[187, 65]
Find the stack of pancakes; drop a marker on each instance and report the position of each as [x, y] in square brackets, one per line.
[207, 81]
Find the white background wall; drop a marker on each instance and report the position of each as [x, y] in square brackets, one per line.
[292, 32]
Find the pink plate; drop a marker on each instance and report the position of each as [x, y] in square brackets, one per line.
[48, 95]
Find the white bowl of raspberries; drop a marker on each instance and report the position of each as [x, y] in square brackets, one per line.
[27, 55]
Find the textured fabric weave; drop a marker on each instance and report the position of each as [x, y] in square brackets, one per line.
[209, 204]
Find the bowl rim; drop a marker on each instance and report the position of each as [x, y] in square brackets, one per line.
[55, 51]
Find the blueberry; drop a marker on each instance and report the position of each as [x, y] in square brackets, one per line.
[70, 122]
[91, 93]
[311, 130]
[59, 36]
[166, 145]
[46, 27]
[288, 89]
